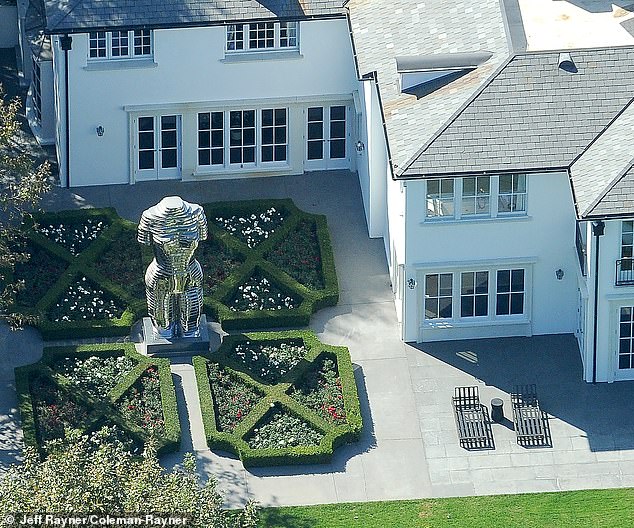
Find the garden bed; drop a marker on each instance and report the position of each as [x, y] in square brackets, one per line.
[74, 390]
[265, 264]
[273, 414]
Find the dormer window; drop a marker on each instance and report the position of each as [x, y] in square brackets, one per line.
[120, 44]
[262, 36]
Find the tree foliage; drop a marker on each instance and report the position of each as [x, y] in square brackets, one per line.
[98, 475]
[22, 185]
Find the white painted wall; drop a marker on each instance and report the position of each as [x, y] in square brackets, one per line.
[611, 298]
[191, 70]
[543, 241]
[8, 26]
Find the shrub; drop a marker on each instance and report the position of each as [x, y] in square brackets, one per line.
[64, 372]
[277, 415]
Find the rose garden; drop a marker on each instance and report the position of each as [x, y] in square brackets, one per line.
[269, 397]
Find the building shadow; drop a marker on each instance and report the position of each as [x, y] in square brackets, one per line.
[553, 363]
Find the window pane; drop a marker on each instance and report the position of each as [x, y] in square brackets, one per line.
[216, 138]
[626, 313]
[168, 139]
[217, 157]
[506, 183]
[517, 280]
[337, 113]
[446, 280]
[203, 157]
[267, 117]
[338, 149]
[502, 304]
[168, 122]
[235, 155]
[146, 123]
[466, 306]
[433, 187]
[315, 150]
[481, 305]
[625, 330]
[146, 140]
[446, 187]
[504, 281]
[624, 362]
[203, 121]
[517, 303]
[468, 186]
[146, 159]
[267, 153]
[482, 282]
[248, 136]
[204, 139]
[316, 114]
[249, 155]
[444, 307]
[468, 206]
[280, 153]
[267, 136]
[168, 159]
[624, 346]
[467, 283]
[519, 183]
[337, 129]
[431, 308]
[431, 285]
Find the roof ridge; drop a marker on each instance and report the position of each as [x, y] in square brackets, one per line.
[456, 114]
[66, 13]
[608, 188]
[600, 134]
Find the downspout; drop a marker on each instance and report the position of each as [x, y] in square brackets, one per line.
[67, 42]
[597, 230]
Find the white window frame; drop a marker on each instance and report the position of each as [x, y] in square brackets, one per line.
[285, 37]
[625, 326]
[259, 144]
[37, 89]
[110, 39]
[492, 316]
[436, 203]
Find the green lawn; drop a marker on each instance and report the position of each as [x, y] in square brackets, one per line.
[575, 509]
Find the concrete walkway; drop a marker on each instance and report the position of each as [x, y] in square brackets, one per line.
[409, 448]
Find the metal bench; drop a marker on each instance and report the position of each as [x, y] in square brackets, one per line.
[472, 419]
[531, 425]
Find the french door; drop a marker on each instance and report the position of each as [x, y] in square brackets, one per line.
[327, 137]
[157, 147]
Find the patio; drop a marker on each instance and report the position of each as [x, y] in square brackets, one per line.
[410, 448]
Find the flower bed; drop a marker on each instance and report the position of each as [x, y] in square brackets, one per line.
[217, 261]
[281, 430]
[259, 293]
[233, 398]
[64, 391]
[74, 236]
[254, 228]
[298, 255]
[142, 403]
[270, 361]
[320, 390]
[84, 300]
[55, 414]
[39, 274]
[278, 428]
[97, 375]
[122, 263]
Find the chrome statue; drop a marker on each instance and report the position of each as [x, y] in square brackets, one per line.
[173, 280]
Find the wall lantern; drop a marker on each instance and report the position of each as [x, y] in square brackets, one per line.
[559, 274]
[360, 146]
[100, 131]
[411, 283]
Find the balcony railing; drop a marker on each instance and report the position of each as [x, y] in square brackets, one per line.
[625, 272]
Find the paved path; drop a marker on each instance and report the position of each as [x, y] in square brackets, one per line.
[409, 448]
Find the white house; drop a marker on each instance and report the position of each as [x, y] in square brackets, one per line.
[499, 180]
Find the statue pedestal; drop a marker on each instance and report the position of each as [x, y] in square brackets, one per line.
[157, 346]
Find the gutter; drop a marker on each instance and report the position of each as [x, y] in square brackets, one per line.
[67, 42]
[597, 230]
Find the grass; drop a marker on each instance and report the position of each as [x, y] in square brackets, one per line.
[572, 509]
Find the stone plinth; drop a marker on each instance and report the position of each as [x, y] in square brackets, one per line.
[157, 346]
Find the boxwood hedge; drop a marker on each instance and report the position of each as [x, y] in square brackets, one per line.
[276, 396]
[216, 303]
[102, 412]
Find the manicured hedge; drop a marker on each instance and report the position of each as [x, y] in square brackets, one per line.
[277, 396]
[81, 265]
[255, 260]
[216, 302]
[104, 412]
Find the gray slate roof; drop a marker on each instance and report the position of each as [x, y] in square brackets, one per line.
[603, 163]
[81, 15]
[532, 115]
[619, 198]
[385, 29]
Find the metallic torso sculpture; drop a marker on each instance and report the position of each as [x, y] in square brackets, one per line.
[173, 280]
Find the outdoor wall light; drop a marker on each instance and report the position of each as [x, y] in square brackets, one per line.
[559, 274]
[360, 146]
[100, 130]
[411, 283]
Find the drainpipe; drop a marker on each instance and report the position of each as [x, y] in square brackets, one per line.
[597, 230]
[67, 42]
